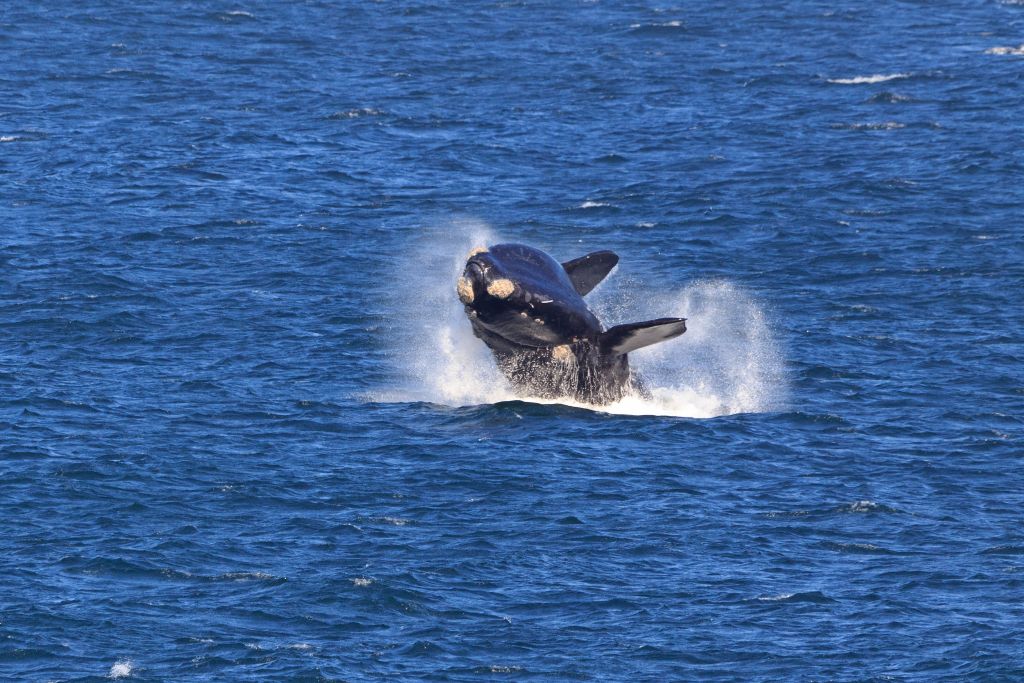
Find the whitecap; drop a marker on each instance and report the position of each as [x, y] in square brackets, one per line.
[675, 23]
[247, 576]
[122, 668]
[875, 78]
[1015, 51]
[397, 521]
[776, 598]
[357, 113]
[593, 205]
[879, 125]
[361, 582]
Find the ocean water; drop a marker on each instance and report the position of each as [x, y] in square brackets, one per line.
[247, 435]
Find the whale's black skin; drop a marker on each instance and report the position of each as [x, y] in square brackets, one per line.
[529, 310]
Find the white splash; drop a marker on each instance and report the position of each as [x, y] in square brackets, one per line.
[435, 348]
[727, 362]
[121, 669]
[874, 78]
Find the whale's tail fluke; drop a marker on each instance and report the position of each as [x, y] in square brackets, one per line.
[587, 271]
[622, 339]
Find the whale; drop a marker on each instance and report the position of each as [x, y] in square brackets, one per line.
[529, 310]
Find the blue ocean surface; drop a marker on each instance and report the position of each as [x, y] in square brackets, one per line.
[246, 433]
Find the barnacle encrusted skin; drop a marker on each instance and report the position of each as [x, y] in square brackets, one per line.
[501, 289]
[476, 250]
[465, 289]
[562, 353]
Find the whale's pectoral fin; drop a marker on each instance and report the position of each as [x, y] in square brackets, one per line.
[632, 336]
[586, 271]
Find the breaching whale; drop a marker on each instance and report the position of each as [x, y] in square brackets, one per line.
[528, 309]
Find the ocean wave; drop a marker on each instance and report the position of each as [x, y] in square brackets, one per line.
[874, 78]
[876, 125]
[1014, 51]
[809, 596]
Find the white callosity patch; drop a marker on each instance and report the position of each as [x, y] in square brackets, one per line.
[727, 362]
[562, 353]
[465, 290]
[501, 289]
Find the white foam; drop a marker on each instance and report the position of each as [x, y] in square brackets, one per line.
[246, 576]
[675, 23]
[1015, 51]
[122, 668]
[878, 125]
[727, 362]
[356, 113]
[875, 78]
[593, 205]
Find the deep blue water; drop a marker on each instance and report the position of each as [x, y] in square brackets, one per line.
[245, 433]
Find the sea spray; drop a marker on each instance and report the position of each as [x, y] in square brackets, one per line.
[727, 362]
[439, 359]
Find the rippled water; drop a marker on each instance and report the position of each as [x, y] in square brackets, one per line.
[248, 435]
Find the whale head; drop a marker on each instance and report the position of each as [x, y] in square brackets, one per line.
[524, 296]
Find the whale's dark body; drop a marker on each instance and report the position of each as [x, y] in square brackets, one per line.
[529, 310]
